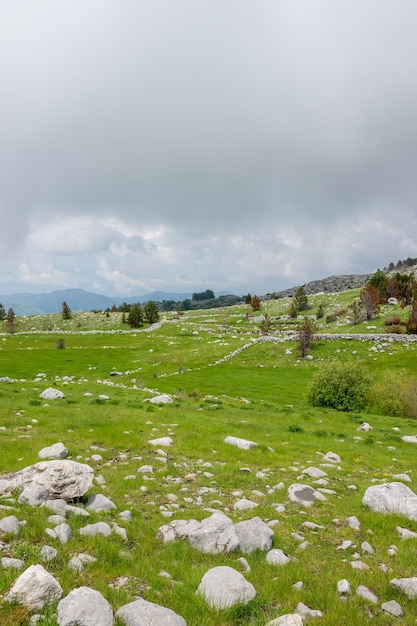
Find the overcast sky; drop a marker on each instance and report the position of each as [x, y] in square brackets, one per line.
[179, 145]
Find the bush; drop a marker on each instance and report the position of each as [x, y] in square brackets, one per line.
[341, 386]
[395, 395]
[392, 320]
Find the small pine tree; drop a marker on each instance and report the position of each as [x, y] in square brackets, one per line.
[135, 317]
[151, 312]
[248, 298]
[412, 320]
[301, 300]
[66, 311]
[266, 325]
[356, 309]
[2, 312]
[306, 332]
[370, 301]
[11, 321]
[256, 303]
[293, 310]
[320, 311]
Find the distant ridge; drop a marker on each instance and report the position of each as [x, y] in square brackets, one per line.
[77, 300]
[328, 285]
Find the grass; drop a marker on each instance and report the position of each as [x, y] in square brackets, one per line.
[259, 394]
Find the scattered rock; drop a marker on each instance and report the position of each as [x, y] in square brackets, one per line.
[393, 608]
[35, 588]
[162, 441]
[98, 502]
[84, 606]
[144, 613]
[366, 594]
[304, 495]
[163, 398]
[277, 557]
[290, 619]
[406, 585]
[243, 444]
[56, 451]
[62, 479]
[216, 534]
[10, 525]
[254, 534]
[392, 498]
[222, 587]
[51, 394]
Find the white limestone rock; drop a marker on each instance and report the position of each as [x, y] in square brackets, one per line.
[404, 533]
[10, 525]
[56, 451]
[290, 619]
[409, 438]
[331, 457]
[162, 441]
[98, 502]
[222, 587]
[177, 529]
[314, 472]
[163, 398]
[353, 522]
[392, 608]
[391, 498]
[277, 557]
[62, 479]
[304, 495]
[84, 606]
[34, 589]
[254, 534]
[100, 528]
[243, 444]
[144, 613]
[215, 535]
[244, 505]
[307, 613]
[52, 394]
[343, 587]
[366, 594]
[10, 563]
[63, 532]
[406, 585]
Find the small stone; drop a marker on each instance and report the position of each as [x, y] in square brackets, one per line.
[366, 594]
[393, 608]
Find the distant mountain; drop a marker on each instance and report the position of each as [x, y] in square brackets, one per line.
[77, 300]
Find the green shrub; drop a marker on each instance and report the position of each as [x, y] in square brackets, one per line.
[341, 386]
[395, 395]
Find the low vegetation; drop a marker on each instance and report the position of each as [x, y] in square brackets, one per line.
[228, 373]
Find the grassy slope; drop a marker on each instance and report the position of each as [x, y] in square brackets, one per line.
[208, 406]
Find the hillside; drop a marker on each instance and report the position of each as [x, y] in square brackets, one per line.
[152, 418]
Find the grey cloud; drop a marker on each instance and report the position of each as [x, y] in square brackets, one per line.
[212, 120]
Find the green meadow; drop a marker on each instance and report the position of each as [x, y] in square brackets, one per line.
[223, 381]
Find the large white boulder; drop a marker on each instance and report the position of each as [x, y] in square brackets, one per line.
[61, 479]
[222, 587]
[35, 588]
[84, 606]
[391, 498]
